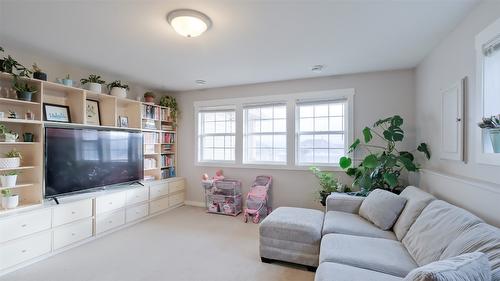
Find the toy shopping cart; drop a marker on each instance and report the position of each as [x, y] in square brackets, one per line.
[258, 199]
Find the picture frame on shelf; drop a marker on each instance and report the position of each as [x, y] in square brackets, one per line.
[56, 113]
[92, 112]
[123, 121]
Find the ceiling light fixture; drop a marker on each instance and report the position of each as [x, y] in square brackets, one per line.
[200, 82]
[317, 68]
[189, 23]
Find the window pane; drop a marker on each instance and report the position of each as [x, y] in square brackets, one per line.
[208, 154]
[266, 154]
[321, 110]
[306, 141]
[280, 125]
[219, 154]
[280, 141]
[253, 113]
[209, 116]
[306, 156]
[280, 112]
[336, 141]
[267, 126]
[219, 141]
[335, 155]
[267, 141]
[321, 141]
[306, 125]
[337, 109]
[208, 141]
[266, 113]
[220, 116]
[280, 155]
[321, 156]
[306, 111]
[216, 136]
[321, 124]
[209, 127]
[336, 124]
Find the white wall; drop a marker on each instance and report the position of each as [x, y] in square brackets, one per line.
[451, 60]
[378, 95]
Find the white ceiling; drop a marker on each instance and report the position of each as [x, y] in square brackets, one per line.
[249, 42]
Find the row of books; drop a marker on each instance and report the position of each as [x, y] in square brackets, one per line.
[167, 127]
[167, 148]
[167, 160]
[166, 114]
[168, 173]
[151, 137]
[168, 138]
[150, 112]
[150, 163]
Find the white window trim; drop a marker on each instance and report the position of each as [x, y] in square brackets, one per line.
[484, 38]
[290, 100]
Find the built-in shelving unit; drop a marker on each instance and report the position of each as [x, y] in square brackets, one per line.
[158, 130]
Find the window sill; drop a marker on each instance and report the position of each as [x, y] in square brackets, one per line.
[267, 166]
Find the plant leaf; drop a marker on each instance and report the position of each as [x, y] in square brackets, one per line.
[370, 161]
[394, 133]
[409, 165]
[391, 179]
[367, 133]
[407, 154]
[396, 121]
[425, 149]
[351, 171]
[354, 145]
[382, 121]
[345, 162]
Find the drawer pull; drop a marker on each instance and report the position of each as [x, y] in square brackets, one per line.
[72, 234]
[73, 212]
[24, 251]
[110, 221]
[110, 203]
[24, 225]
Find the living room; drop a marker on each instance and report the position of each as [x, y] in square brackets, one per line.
[250, 140]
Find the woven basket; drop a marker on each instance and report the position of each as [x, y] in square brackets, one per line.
[6, 163]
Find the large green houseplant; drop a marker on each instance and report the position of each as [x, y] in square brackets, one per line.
[383, 164]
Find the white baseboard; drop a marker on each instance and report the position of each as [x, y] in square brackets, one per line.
[195, 203]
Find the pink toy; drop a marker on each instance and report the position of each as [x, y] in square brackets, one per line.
[218, 175]
[258, 203]
[204, 177]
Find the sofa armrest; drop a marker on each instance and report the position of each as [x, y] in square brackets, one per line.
[343, 203]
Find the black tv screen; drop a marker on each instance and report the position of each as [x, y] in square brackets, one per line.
[77, 159]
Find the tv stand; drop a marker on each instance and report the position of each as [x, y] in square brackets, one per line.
[136, 182]
[56, 200]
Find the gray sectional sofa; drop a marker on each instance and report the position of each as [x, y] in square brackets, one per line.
[352, 248]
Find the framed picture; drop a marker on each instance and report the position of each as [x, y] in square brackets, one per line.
[92, 112]
[56, 113]
[123, 121]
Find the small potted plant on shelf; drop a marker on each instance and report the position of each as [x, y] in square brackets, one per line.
[492, 125]
[12, 159]
[149, 97]
[9, 200]
[328, 184]
[117, 89]
[38, 73]
[8, 136]
[170, 102]
[9, 179]
[24, 91]
[93, 83]
[67, 81]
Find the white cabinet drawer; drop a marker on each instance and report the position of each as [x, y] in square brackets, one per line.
[175, 186]
[72, 233]
[176, 199]
[137, 195]
[158, 190]
[110, 202]
[67, 213]
[22, 225]
[137, 212]
[107, 221]
[25, 249]
[158, 205]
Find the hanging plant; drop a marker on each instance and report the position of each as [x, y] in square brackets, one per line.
[170, 102]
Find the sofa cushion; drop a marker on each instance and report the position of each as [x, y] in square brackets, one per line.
[293, 224]
[329, 271]
[346, 223]
[382, 208]
[416, 201]
[381, 255]
[438, 225]
[479, 238]
[467, 267]
[343, 202]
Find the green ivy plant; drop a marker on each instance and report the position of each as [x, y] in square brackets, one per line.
[383, 164]
[118, 84]
[170, 102]
[328, 183]
[22, 86]
[92, 79]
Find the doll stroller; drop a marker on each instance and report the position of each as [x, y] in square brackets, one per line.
[258, 203]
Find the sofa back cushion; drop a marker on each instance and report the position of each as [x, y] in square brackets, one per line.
[416, 201]
[435, 228]
[467, 267]
[479, 238]
[382, 208]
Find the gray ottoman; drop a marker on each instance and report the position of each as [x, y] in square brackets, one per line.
[292, 235]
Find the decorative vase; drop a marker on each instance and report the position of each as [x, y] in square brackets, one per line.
[94, 87]
[9, 137]
[25, 96]
[119, 92]
[10, 202]
[68, 82]
[40, 76]
[8, 181]
[495, 139]
[7, 163]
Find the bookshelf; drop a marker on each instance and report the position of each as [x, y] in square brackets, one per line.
[153, 120]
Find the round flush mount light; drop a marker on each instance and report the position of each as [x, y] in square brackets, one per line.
[317, 68]
[189, 23]
[200, 82]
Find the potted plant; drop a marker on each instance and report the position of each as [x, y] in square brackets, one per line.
[328, 183]
[8, 136]
[93, 82]
[67, 81]
[117, 89]
[9, 179]
[492, 125]
[9, 200]
[383, 164]
[170, 102]
[149, 97]
[12, 159]
[38, 73]
[23, 89]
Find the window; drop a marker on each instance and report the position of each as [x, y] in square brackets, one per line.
[265, 134]
[320, 132]
[216, 135]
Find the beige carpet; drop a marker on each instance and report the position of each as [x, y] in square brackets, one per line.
[185, 244]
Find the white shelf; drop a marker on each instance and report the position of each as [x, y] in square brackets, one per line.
[18, 186]
[18, 168]
[18, 102]
[19, 143]
[20, 121]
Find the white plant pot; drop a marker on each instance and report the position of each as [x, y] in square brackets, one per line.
[11, 137]
[94, 87]
[8, 181]
[119, 92]
[6, 163]
[10, 202]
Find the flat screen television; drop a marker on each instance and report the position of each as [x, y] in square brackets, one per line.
[79, 159]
